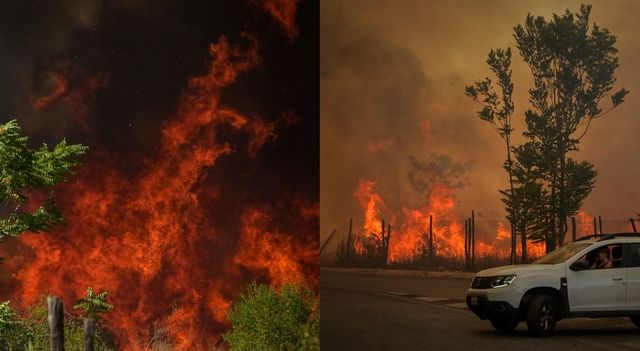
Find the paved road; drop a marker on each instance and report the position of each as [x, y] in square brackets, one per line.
[375, 312]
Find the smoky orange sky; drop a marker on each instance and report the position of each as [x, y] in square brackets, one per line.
[392, 79]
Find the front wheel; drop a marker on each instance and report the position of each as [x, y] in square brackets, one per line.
[505, 325]
[542, 315]
[636, 320]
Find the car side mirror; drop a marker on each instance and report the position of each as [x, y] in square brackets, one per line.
[579, 265]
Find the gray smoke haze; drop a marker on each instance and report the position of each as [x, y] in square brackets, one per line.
[392, 90]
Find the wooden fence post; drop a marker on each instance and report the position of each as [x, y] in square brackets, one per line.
[56, 323]
[327, 241]
[89, 327]
[466, 243]
[349, 239]
[600, 224]
[473, 240]
[386, 246]
[384, 263]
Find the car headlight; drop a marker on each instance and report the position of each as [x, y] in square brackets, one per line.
[502, 280]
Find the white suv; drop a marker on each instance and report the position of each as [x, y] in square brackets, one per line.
[591, 277]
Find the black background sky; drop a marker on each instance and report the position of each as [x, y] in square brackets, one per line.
[146, 53]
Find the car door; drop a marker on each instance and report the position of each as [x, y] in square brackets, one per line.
[597, 289]
[633, 278]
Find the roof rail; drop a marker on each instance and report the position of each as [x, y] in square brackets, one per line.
[607, 237]
[619, 235]
[587, 237]
[601, 237]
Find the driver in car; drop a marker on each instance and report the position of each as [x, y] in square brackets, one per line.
[603, 259]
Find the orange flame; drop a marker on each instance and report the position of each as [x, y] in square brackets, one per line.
[426, 128]
[448, 229]
[153, 239]
[283, 12]
[75, 91]
[372, 204]
[380, 146]
[584, 222]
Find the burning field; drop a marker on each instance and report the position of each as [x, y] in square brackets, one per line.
[411, 227]
[438, 228]
[401, 142]
[180, 202]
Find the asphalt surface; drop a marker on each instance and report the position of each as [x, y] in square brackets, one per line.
[378, 312]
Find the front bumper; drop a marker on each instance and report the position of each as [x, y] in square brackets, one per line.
[498, 303]
[485, 309]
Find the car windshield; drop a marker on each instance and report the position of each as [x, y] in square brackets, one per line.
[562, 254]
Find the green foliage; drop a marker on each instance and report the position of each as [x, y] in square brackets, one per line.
[14, 334]
[93, 304]
[23, 170]
[496, 110]
[31, 332]
[573, 71]
[529, 198]
[264, 318]
[573, 66]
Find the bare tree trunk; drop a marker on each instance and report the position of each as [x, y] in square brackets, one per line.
[349, 239]
[595, 228]
[89, 328]
[523, 242]
[633, 224]
[562, 213]
[551, 240]
[549, 235]
[514, 220]
[56, 323]
[563, 233]
[512, 259]
[573, 228]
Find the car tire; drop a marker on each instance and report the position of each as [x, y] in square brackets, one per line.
[505, 325]
[635, 320]
[542, 315]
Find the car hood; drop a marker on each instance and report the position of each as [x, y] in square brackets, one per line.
[515, 269]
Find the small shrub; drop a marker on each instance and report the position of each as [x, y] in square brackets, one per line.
[264, 318]
[31, 332]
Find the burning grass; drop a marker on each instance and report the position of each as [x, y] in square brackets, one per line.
[367, 253]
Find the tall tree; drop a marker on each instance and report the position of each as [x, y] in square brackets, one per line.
[573, 72]
[25, 171]
[528, 198]
[497, 110]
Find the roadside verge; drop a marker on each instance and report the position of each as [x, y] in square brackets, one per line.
[398, 272]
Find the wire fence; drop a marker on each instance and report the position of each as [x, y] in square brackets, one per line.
[493, 238]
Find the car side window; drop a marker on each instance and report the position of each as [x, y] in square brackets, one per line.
[603, 257]
[635, 255]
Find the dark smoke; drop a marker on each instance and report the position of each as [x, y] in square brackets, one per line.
[437, 169]
[376, 122]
